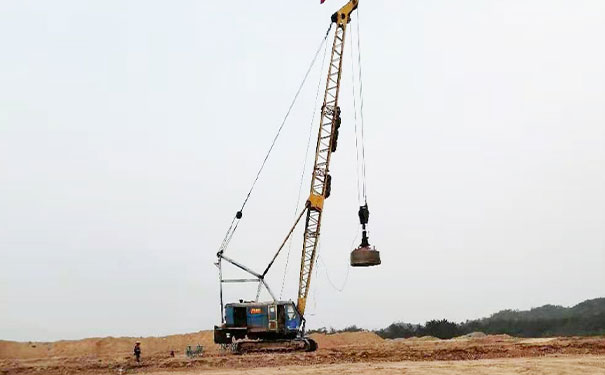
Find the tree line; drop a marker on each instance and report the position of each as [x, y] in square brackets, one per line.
[584, 319]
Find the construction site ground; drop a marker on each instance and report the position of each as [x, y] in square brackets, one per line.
[345, 353]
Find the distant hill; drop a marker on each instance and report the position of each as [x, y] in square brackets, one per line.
[591, 307]
[588, 308]
[584, 319]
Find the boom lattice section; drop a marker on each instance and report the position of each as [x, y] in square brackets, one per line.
[320, 182]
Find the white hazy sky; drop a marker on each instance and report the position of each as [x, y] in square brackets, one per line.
[130, 132]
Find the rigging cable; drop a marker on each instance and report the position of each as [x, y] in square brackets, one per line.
[304, 164]
[363, 151]
[344, 283]
[357, 166]
[239, 214]
[363, 167]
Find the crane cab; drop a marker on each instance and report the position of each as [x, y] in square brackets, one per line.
[275, 320]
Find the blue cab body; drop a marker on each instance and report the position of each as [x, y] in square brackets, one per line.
[278, 320]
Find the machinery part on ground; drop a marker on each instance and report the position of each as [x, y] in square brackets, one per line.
[191, 352]
[305, 344]
[228, 347]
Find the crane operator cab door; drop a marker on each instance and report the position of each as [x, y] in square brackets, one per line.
[272, 312]
[240, 318]
[292, 319]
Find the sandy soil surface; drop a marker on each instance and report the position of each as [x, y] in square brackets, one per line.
[567, 365]
[359, 353]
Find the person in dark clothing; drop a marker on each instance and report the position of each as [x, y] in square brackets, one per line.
[137, 351]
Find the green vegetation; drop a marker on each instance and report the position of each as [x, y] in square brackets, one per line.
[331, 331]
[584, 319]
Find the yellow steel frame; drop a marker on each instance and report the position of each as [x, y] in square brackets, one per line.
[323, 152]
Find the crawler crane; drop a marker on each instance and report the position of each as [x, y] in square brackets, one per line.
[280, 325]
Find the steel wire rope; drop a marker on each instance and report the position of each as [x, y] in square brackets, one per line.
[357, 165]
[313, 291]
[363, 190]
[346, 280]
[363, 151]
[236, 219]
[304, 165]
[341, 289]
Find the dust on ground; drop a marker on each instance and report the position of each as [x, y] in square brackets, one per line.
[355, 351]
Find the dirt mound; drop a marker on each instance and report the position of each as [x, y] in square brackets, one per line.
[346, 338]
[472, 335]
[106, 346]
[424, 338]
[497, 338]
[121, 347]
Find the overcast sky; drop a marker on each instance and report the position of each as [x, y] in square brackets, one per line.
[130, 132]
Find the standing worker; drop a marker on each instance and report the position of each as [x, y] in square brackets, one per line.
[137, 351]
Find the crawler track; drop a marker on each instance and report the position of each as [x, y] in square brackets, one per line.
[280, 346]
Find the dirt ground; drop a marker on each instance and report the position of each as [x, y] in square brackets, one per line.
[568, 365]
[349, 353]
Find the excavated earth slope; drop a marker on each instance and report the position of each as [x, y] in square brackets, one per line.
[114, 355]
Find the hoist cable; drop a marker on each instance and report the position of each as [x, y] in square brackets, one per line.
[304, 167]
[346, 279]
[363, 151]
[357, 165]
[313, 291]
[344, 283]
[224, 243]
[233, 227]
[285, 118]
